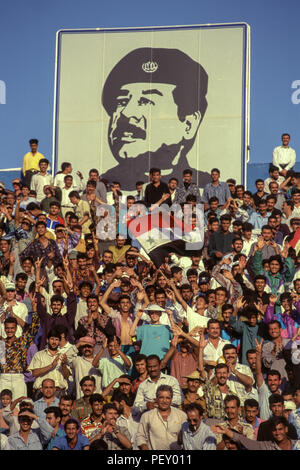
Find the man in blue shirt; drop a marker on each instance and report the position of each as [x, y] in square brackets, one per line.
[25, 438]
[215, 188]
[260, 218]
[72, 440]
[53, 418]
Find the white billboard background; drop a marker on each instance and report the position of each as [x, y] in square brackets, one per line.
[84, 62]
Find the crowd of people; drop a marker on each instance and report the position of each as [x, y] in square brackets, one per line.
[104, 347]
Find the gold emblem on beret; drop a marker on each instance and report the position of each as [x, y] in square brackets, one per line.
[150, 67]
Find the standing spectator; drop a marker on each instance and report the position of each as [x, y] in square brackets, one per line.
[41, 179]
[215, 188]
[284, 156]
[157, 192]
[260, 193]
[31, 162]
[186, 188]
[81, 210]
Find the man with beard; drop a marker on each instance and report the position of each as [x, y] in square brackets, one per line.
[82, 364]
[82, 408]
[49, 364]
[241, 379]
[145, 86]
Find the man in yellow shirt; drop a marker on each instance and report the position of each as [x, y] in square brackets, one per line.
[31, 162]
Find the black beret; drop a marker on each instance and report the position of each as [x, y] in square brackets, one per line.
[157, 65]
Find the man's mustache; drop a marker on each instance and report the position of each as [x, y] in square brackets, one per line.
[123, 126]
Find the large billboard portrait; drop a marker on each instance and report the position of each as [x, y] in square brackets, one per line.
[173, 98]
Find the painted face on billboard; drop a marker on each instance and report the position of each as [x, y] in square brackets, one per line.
[156, 100]
[137, 126]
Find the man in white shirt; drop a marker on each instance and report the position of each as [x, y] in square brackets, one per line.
[66, 169]
[274, 177]
[214, 347]
[160, 427]
[41, 179]
[145, 399]
[66, 204]
[284, 156]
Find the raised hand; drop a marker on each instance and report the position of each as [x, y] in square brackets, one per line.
[117, 283]
[33, 301]
[140, 314]
[55, 362]
[260, 243]
[285, 251]
[273, 299]
[176, 330]
[38, 263]
[228, 275]
[104, 342]
[174, 341]
[202, 341]
[240, 303]
[258, 346]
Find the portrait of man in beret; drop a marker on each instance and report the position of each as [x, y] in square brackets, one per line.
[156, 100]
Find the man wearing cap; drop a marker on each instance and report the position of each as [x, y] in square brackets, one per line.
[191, 394]
[145, 86]
[82, 364]
[13, 308]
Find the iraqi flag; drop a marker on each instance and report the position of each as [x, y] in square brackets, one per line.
[295, 241]
[160, 233]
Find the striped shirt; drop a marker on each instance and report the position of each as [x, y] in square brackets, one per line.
[90, 428]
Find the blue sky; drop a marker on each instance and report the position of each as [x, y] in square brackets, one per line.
[27, 56]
